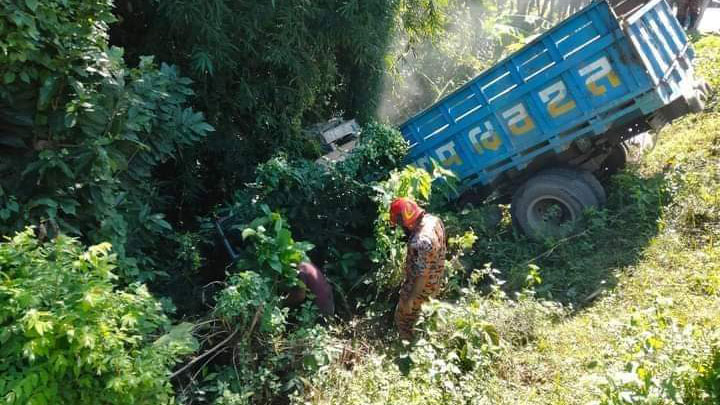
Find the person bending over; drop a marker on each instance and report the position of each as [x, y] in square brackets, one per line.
[424, 264]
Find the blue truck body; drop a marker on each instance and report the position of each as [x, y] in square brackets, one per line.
[594, 73]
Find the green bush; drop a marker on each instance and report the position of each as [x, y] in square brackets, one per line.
[68, 336]
[265, 70]
[84, 134]
[331, 206]
[272, 250]
[343, 207]
[273, 347]
[705, 389]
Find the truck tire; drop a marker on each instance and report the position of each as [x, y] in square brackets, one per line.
[703, 87]
[551, 203]
[695, 103]
[581, 177]
[596, 187]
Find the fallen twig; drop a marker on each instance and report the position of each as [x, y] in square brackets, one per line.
[221, 344]
[207, 353]
[555, 246]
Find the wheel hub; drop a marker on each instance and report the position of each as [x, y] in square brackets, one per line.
[549, 213]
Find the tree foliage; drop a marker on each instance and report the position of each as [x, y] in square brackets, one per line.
[332, 204]
[83, 132]
[68, 336]
[475, 35]
[274, 346]
[265, 70]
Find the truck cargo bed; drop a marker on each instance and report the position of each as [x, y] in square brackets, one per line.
[591, 73]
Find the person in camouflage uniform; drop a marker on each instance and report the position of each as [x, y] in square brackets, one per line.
[425, 262]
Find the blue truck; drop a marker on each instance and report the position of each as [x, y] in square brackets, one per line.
[540, 126]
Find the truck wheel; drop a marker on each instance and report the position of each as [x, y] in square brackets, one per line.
[552, 202]
[596, 187]
[582, 178]
[695, 103]
[703, 87]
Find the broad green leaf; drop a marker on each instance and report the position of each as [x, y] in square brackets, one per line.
[158, 220]
[32, 4]
[284, 237]
[248, 232]
[202, 128]
[43, 201]
[68, 206]
[179, 337]
[47, 91]
[65, 168]
[275, 264]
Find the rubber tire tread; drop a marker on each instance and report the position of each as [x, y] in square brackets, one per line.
[695, 103]
[582, 176]
[579, 188]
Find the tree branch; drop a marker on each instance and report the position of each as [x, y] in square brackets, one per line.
[220, 345]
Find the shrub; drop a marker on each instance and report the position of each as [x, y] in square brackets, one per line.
[272, 250]
[273, 347]
[388, 252]
[460, 345]
[334, 203]
[299, 63]
[705, 389]
[69, 336]
[84, 134]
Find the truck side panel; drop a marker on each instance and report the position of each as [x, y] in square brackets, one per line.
[575, 80]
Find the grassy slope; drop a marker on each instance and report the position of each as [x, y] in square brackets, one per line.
[644, 282]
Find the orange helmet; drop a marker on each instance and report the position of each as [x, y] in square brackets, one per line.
[407, 209]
